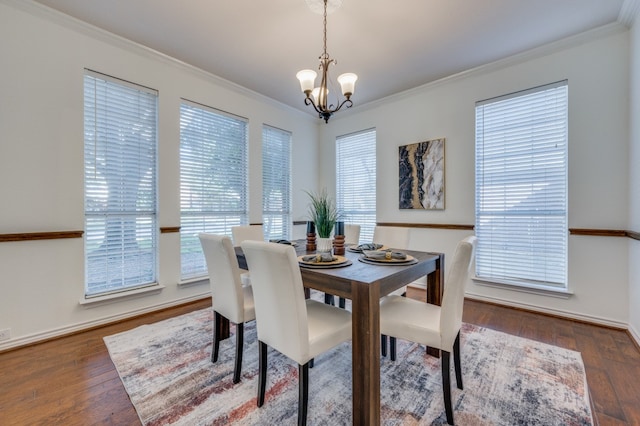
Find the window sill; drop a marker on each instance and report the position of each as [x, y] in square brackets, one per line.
[117, 297]
[193, 281]
[562, 293]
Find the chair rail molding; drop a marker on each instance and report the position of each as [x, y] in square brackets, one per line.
[428, 225]
[169, 229]
[32, 236]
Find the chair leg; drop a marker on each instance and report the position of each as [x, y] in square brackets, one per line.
[456, 361]
[310, 363]
[217, 318]
[303, 393]
[262, 371]
[239, 343]
[446, 385]
[383, 341]
[392, 348]
[383, 344]
[328, 299]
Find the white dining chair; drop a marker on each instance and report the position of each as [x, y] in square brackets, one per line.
[392, 237]
[230, 299]
[298, 328]
[432, 325]
[351, 234]
[241, 233]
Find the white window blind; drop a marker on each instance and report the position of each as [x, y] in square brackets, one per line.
[276, 183]
[213, 179]
[356, 180]
[120, 121]
[521, 187]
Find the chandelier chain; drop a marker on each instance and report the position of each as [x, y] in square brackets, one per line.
[324, 40]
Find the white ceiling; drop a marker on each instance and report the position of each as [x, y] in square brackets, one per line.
[391, 45]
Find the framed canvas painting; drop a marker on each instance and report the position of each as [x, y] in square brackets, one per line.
[421, 168]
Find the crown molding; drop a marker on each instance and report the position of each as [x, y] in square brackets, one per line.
[89, 30]
[629, 12]
[547, 49]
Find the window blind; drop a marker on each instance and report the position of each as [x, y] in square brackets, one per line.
[276, 183]
[213, 179]
[120, 121]
[521, 187]
[356, 180]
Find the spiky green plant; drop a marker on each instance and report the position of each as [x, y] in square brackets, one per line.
[323, 212]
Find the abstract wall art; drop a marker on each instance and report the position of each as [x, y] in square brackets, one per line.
[421, 168]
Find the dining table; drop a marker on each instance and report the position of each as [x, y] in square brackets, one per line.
[365, 284]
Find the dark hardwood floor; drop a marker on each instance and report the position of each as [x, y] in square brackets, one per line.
[71, 380]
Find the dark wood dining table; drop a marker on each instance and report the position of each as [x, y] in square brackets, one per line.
[364, 284]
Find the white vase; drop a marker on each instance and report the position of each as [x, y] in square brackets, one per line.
[323, 245]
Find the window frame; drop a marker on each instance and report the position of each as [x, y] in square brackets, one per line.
[202, 207]
[526, 130]
[128, 264]
[275, 140]
[350, 182]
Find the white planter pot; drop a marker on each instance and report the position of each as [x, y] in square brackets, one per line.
[323, 245]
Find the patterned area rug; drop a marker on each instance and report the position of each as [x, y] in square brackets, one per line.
[166, 369]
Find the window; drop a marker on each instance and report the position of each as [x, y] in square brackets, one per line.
[521, 187]
[356, 180]
[276, 183]
[213, 179]
[120, 121]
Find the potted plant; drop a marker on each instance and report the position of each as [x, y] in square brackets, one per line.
[324, 213]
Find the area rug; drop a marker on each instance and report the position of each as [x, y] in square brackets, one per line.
[166, 369]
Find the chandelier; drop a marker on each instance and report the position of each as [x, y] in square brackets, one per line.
[317, 97]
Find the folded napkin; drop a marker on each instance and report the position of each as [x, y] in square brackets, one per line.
[385, 255]
[369, 246]
[280, 241]
[319, 258]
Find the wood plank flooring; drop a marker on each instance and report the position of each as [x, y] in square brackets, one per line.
[71, 380]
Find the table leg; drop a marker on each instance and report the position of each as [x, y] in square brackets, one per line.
[366, 353]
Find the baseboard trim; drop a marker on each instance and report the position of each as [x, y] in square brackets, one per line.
[634, 335]
[85, 326]
[588, 319]
[89, 325]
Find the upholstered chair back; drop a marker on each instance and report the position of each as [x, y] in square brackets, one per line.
[351, 234]
[246, 232]
[281, 311]
[453, 298]
[224, 276]
[391, 236]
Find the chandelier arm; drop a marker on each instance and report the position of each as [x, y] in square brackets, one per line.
[328, 112]
[308, 101]
[346, 102]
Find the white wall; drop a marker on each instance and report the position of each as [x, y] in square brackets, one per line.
[634, 182]
[43, 57]
[596, 66]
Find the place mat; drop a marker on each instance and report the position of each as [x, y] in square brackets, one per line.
[287, 242]
[354, 248]
[339, 262]
[410, 260]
